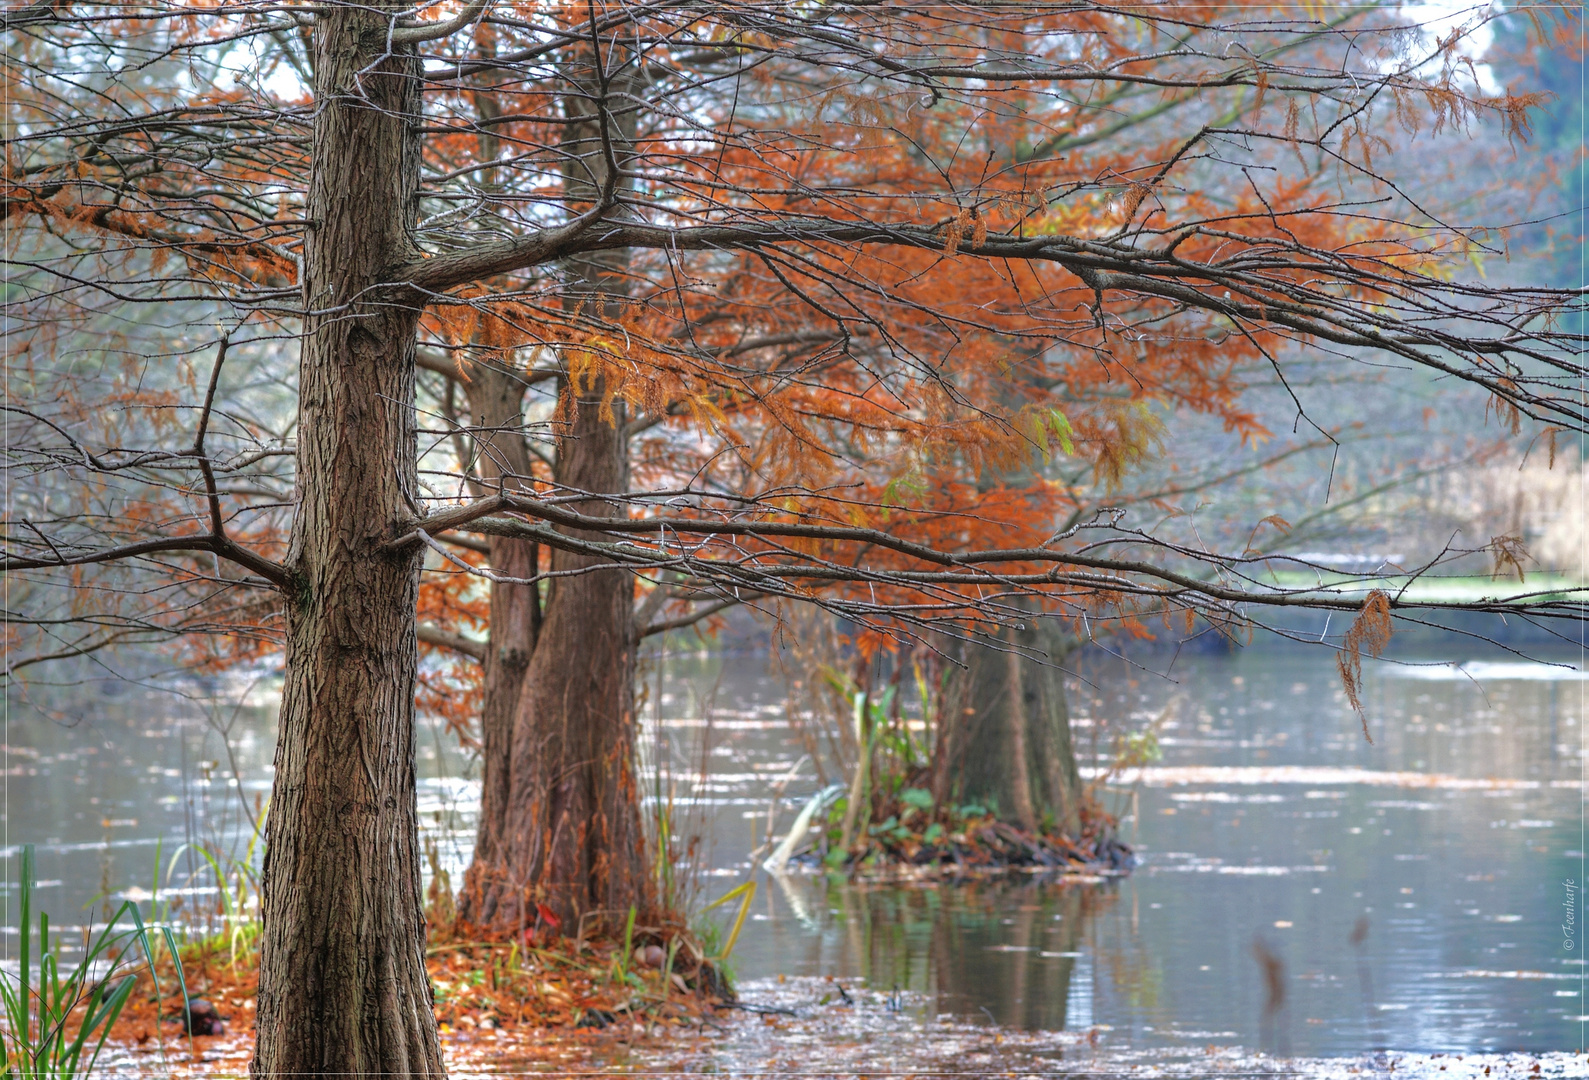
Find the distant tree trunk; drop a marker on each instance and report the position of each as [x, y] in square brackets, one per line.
[1009, 746]
[568, 809]
[575, 840]
[560, 821]
[496, 398]
[343, 988]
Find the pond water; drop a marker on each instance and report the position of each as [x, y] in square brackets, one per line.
[1405, 894]
[1408, 891]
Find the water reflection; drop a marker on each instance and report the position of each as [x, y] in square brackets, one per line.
[1408, 887]
[939, 943]
[103, 775]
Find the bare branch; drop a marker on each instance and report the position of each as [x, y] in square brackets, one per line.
[695, 617]
[446, 639]
[415, 35]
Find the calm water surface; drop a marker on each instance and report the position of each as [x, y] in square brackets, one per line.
[1407, 892]
[1410, 889]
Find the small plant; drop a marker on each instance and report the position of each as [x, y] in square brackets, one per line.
[714, 948]
[237, 904]
[744, 893]
[623, 958]
[41, 1005]
[441, 910]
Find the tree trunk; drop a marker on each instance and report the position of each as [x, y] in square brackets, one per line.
[568, 811]
[343, 989]
[496, 398]
[575, 841]
[1010, 747]
[496, 404]
[560, 819]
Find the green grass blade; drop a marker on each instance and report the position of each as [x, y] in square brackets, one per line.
[106, 1018]
[182, 979]
[220, 879]
[25, 1028]
[745, 894]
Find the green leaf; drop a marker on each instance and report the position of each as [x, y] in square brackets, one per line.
[879, 704]
[920, 798]
[903, 489]
[1059, 423]
[933, 834]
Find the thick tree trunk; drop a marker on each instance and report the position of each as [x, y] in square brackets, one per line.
[575, 840]
[343, 989]
[560, 823]
[1010, 747]
[496, 397]
[564, 829]
[560, 820]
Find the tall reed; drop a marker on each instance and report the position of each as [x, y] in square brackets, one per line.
[53, 1017]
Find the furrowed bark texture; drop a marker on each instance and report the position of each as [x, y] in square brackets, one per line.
[567, 830]
[1011, 748]
[343, 988]
[496, 397]
[574, 817]
[560, 823]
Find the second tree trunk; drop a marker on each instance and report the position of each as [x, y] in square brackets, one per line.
[1009, 744]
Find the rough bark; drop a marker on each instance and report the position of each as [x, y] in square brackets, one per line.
[561, 827]
[559, 821]
[564, 831]
[575, 840]
[1010, 747]
[496, 397]
[343, 989]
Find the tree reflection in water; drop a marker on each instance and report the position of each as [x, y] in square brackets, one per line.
[936, 940]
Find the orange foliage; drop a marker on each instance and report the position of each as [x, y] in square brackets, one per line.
[935, 391]
[946, 397]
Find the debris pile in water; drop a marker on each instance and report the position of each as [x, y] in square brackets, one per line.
[914, 838]
[991, 845]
